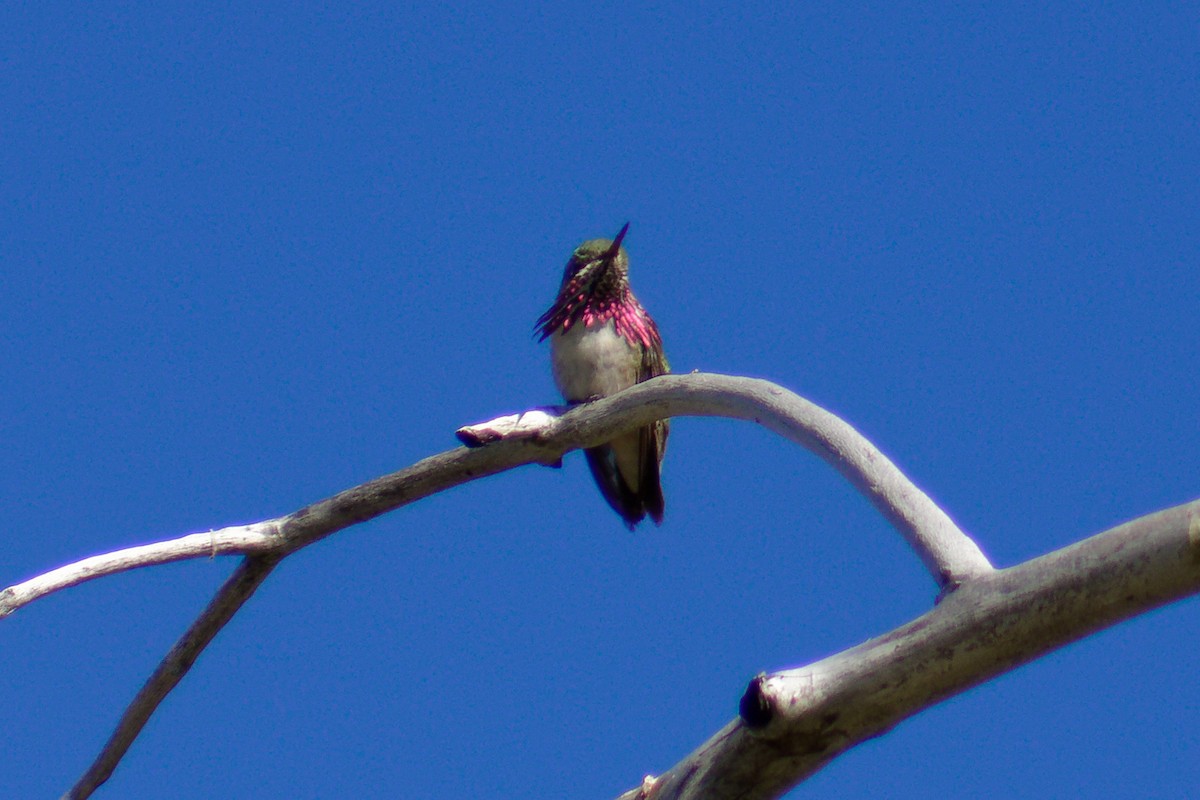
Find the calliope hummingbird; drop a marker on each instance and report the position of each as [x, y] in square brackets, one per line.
[603, 341]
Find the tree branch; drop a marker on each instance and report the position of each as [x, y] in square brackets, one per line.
[539, 436]
[241, 539]
[229, 598]
[948, 553]
[532, 437]
[793, 723]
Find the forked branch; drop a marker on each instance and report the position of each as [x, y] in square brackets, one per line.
[540, 436]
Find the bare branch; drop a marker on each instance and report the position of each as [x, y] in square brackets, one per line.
[538, 436]
[229, 598]
[794, 722]
[533, 437]
[242, 539]
[948, 553]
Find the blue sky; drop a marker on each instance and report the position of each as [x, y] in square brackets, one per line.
[256, 255]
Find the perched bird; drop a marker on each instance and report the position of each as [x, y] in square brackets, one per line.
[603, 341]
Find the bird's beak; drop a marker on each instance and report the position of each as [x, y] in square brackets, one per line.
[616, 245]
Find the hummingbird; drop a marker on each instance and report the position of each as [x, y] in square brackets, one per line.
[603, 341]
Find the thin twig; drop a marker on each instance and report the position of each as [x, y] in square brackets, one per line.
[238, 540]
[229, 598]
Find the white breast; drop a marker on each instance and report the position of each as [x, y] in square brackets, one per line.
[592, 362]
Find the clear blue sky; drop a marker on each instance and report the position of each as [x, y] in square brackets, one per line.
[253, 256]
